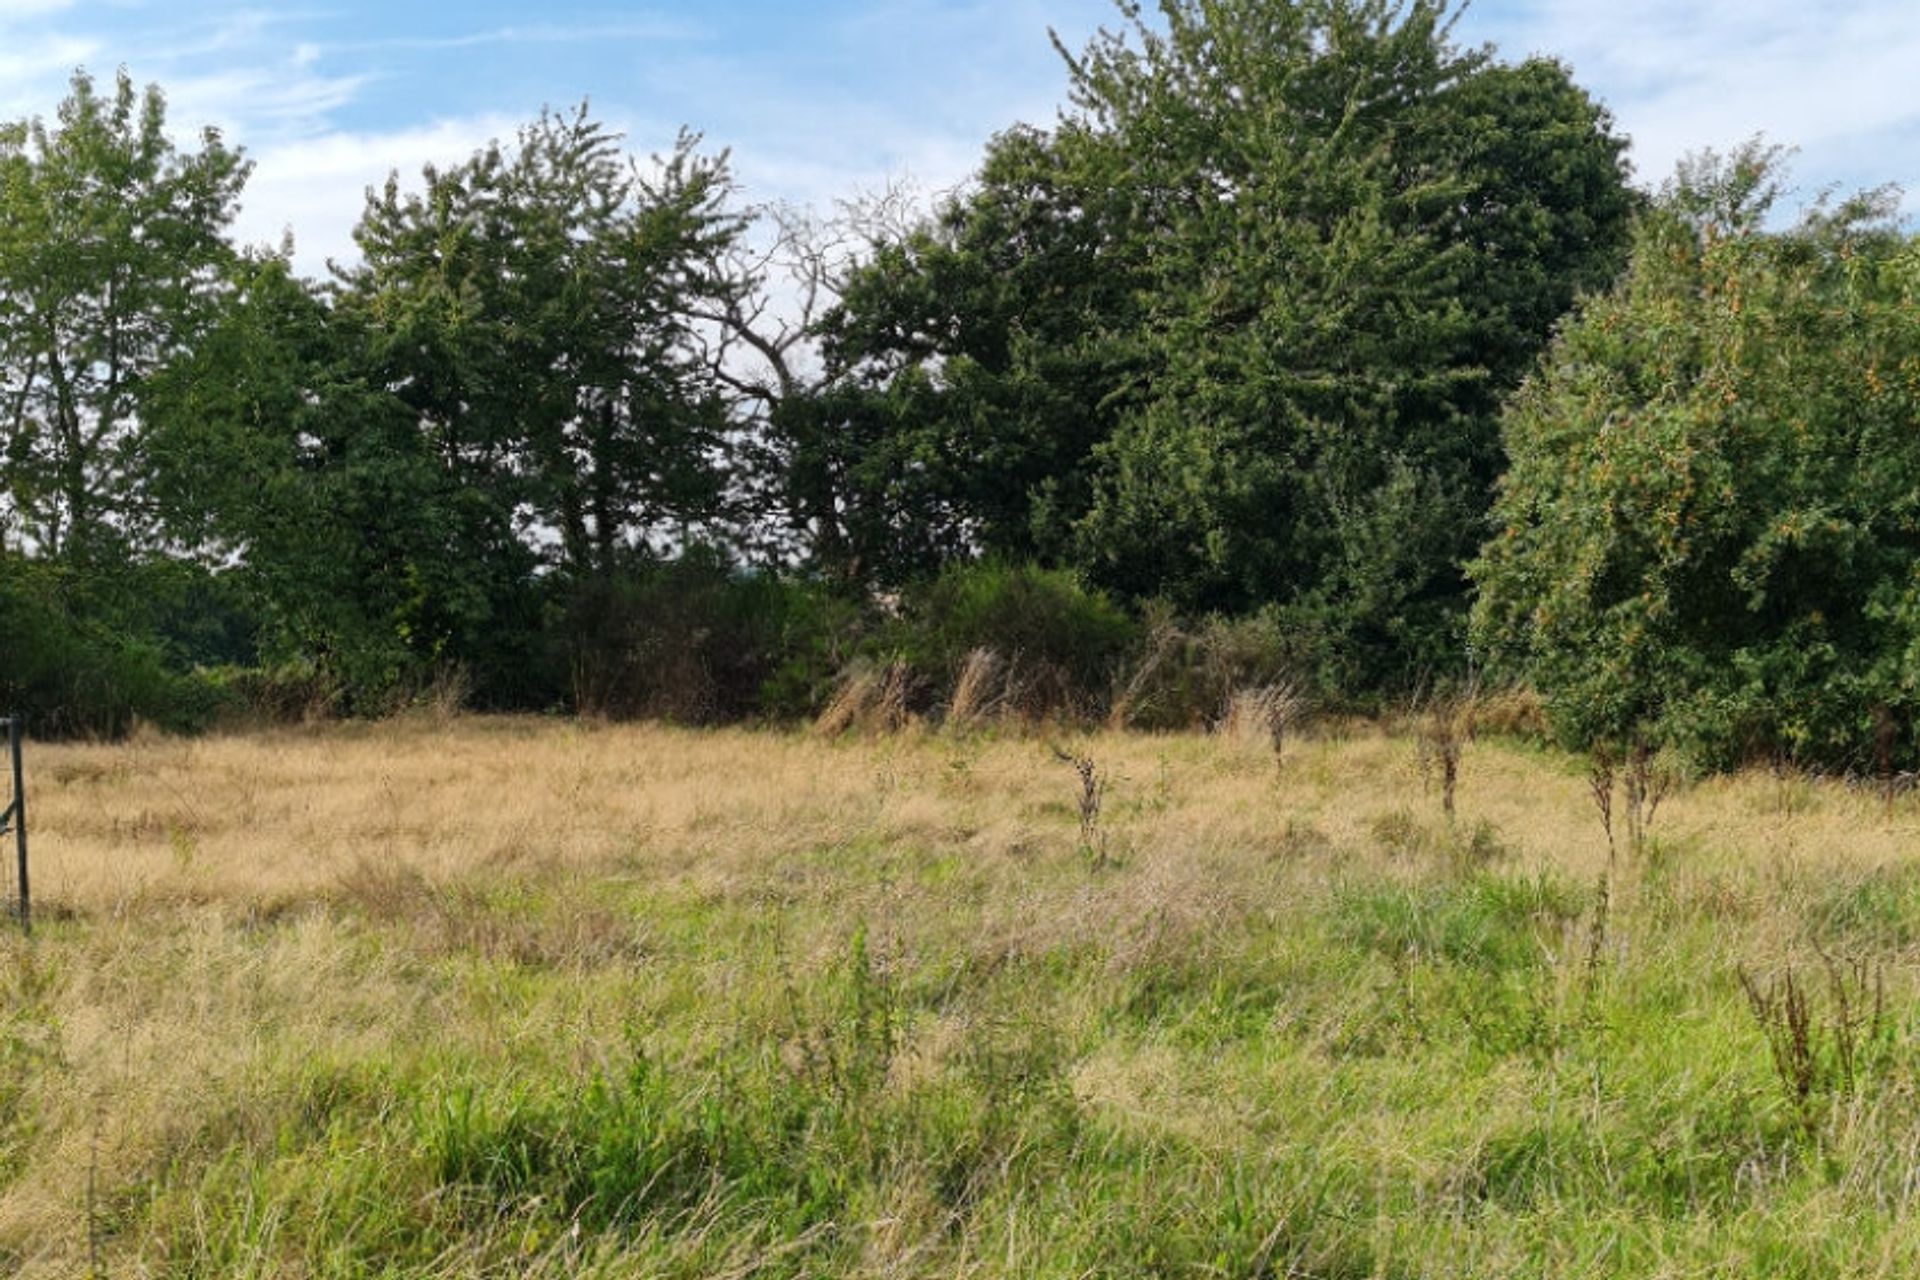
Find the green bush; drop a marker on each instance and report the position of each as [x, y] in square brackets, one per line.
[1710, 531]
[72, 668]
[1183, 675]
[1063, 641]
[279, 694]
[699, 641]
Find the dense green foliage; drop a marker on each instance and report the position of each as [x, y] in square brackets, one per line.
[92, 653]
[532, 306]
[1199, 388]
[112, 261]
[111, 247]
[489, 422]
[1710, 534]
[697, 641]
[1068, 640]
[1236, 331]
[63, 673]
[278, 447]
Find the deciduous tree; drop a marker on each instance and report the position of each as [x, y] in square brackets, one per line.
[1235, 331]
[1711, 530]
[112, 249]
[534, 306]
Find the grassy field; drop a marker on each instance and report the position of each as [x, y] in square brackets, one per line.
[534, 998]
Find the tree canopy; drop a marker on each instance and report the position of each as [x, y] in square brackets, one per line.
[1236, 330]
[112, 244]
[498, 407]
[1710, 533]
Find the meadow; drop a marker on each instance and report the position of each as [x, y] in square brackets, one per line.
[465, 997]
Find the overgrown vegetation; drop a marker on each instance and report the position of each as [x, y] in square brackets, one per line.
[1307, 364]
[1203, 390]
[548, 439]
[521, 997]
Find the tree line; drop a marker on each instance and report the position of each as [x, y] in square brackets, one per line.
[1306, 343]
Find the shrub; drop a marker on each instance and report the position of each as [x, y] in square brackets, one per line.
[277, 695]
[71, 668]
[1708, 534]
[1184, 675]
[699, 641]
[1061, 642]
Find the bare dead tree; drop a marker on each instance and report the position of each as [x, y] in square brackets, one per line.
[760, 330]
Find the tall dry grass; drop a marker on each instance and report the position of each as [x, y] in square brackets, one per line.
[280, 977]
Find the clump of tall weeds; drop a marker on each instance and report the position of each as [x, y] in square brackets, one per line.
[980, 691]
[851, 1048]
[1597, 926]
[1184, 675]
[1823, 1047]
[991, 687]
[1268, 713]
[1627, 789]
[871, 698]
[1092, 796]
[1443, 725]
[1642, 779]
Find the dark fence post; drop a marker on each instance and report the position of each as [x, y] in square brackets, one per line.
[16, 818]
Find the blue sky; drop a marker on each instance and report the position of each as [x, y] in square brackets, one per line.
[826, 97]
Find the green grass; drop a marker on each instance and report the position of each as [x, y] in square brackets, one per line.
[1361, 1048]
[1473, 1112]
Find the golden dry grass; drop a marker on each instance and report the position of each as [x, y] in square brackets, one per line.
[266, 961]
[261, 821]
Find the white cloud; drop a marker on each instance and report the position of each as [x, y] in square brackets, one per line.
[912, 88]
[1834, 81]
[659, 29]
[316, 187]
[34, 69]
[257, 102]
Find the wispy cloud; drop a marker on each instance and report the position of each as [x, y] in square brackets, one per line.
[315, 188]
[588, 33]
[258, 105]
[222, 69]
[1835, 80]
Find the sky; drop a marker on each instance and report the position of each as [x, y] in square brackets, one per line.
[820, 99]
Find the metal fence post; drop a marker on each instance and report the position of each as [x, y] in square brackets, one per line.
[18, 814]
